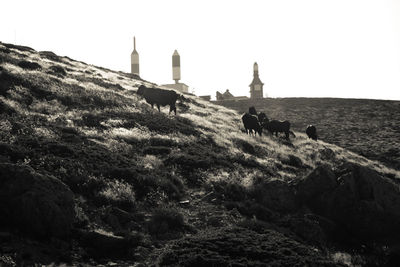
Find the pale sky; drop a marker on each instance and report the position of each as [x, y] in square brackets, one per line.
[310, 48]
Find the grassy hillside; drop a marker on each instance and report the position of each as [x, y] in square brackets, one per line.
[365, 126]
[148, 187]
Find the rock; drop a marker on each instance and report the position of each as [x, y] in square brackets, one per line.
[106, 245]
[320, 180]
[276, 195]
[39, 205]
[366, 203]
[359, 199]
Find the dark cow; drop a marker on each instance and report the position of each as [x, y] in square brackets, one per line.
[276, 127]
[251, 123]
[159, 97]
[262, 118]
[252, 111]
[311, 132]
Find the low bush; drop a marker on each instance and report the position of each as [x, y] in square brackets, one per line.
[230, 191]
[251, 209]
[118, 193]
[164, 221]
[28, 65]
[157, 150]
[57, 70]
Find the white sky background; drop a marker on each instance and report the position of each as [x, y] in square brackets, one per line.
[335, 48]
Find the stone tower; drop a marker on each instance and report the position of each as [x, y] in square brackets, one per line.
[176, 67]
[256, 86]
[134, 59]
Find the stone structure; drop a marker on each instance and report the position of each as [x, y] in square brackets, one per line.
[228, 96]
[256, 86]
[176, 74]
[134, 59]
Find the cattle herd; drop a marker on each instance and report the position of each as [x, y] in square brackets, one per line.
[255, 123]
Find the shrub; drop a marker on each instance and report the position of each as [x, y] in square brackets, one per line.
[157, 141]
[245, 146]
[49, 55]
[292, 161]
[157, 150]
[19, 47]
[165, 220]
[118, 193]
[57, 70]
[28, 65]
[230, 191]
[251, 209]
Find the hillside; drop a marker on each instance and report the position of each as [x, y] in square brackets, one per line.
[91, 174]
[368, 127]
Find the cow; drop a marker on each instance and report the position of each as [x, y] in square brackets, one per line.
[262, 118]
[276, 127]
[251, 123]
[159, 97]
[311, 132]
[252, 110]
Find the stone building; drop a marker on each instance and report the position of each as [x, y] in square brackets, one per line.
[256, 86]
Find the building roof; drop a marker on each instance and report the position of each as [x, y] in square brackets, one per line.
[256, 80]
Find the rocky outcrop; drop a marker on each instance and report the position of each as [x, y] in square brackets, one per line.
[101, 244]
[276, 195]
[357, 198]
[39, 205]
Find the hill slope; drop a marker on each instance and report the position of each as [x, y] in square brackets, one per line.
[90, 166]
[365, 126]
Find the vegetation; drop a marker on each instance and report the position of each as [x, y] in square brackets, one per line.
[151, 187]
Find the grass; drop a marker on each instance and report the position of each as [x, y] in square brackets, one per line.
[360, 125]
[85, 126]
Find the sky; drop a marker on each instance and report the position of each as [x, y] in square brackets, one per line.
[304, 48]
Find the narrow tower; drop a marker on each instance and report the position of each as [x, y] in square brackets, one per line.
[134, 59]
[256, 86]
[176, 67]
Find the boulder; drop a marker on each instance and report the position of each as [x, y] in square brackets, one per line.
[321, 180]
[357, 198]
[276, 195]
[39, 205]
[103, 244]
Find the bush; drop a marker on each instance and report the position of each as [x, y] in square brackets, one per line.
[251, 209]
[58, 70]
[230, 191]
[118, 193]
[165, 220]
[245, 146]
[28, 65]
[49, 55]
[157, 150]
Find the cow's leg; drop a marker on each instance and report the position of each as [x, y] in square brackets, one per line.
[152, 105]
[172, 108]
[158, 106]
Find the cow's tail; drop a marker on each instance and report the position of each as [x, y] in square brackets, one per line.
[292, 133]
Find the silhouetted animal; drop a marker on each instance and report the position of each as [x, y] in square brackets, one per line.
[276, 127]
[311, 132]
[262, 118]
[251, 123]
[159, 97]
[252, 111]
